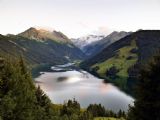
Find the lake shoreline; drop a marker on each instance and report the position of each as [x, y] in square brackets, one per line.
[86, 88]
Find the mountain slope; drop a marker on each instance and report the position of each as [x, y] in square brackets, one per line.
[40, 49]
[119, 62]
[97, 46]
[42, 34]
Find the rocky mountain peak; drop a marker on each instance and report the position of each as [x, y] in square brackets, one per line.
[42, 34]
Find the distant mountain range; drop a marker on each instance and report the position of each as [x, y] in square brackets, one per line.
[83, 42]
[120, 62]
[40, 47]
[97, 46]
[93, 44]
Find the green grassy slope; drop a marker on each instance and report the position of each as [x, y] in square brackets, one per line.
[120, 62]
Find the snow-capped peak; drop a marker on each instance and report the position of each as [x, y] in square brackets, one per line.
[85, 40]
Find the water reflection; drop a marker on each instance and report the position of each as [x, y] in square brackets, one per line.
[61, 79]
[87, 89]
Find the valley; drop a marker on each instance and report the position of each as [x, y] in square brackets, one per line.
[116, 58]
[66, 69]
[79, 60]
[100, 81]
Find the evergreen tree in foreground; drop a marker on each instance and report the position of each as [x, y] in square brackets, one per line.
[147, 104]
[19, 98]
[96, 110]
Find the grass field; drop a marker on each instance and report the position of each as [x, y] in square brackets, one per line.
[121, 63]
[108, 118]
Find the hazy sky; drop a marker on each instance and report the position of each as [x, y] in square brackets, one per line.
[76, 18]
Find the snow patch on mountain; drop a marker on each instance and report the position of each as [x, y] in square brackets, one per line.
[86, 40]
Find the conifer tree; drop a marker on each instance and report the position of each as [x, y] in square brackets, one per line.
[19, 98]
[44, 103]
[147, 103]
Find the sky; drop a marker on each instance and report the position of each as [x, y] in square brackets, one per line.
[77, 18]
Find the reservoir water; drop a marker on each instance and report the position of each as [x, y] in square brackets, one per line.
[86, 88]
